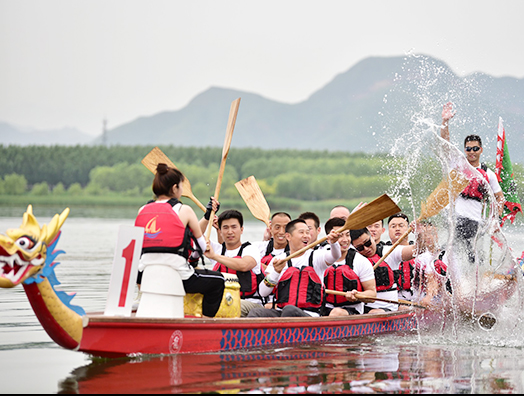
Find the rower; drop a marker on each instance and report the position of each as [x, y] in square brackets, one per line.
[384, 276]
[276, 242]
[313, 222]
[233, 256]
[377, 229]
[291, 278]
[351, 274]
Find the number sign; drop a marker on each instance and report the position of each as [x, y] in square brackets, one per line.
[125, 270]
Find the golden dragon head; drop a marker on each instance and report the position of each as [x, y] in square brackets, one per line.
[23, 250]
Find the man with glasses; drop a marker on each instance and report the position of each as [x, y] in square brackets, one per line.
[469, 204]
[386, 285]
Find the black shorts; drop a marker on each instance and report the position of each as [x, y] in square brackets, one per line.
[350, 311]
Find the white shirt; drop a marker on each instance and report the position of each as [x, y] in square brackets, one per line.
[320, 256]
[471, 208]
[262, 247]
[425, 264]
[249, 250]
[393, 260]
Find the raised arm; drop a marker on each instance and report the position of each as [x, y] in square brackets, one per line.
[213, 205]
[447, 114]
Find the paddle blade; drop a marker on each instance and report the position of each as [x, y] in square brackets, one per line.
[376, 210]
[254, 198]
[233, 111]
[155, 157]
[451, 186]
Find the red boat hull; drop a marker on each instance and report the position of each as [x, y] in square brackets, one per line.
[113, 337]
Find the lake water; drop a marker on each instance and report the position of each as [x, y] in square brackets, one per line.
[461, 360]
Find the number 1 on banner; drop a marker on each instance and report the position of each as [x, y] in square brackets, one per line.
[124, 272]
[127, 254]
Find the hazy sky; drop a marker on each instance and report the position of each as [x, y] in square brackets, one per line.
[72, 63]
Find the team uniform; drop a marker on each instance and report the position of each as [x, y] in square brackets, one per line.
[469, 203]
[168, 242]
[267, 250]
[346, 275]
[298, 287]
[248, 280]
[385, 280]
[469, 207]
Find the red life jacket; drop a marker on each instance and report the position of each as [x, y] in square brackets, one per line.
[248, 279]
[384, 277]
[404, 275]
[440, 268]
[164, 231]
[476, 189]
[300, 287]
[341, 277]
[269, 255]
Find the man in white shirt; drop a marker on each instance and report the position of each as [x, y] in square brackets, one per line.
[386, 286]
[290, 302]
[355, 269]
[276, 242]
[233, 256]
[469, 204]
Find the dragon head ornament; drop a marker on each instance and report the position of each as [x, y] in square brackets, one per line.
[24, 250]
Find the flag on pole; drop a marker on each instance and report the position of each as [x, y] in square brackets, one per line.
[504, 172]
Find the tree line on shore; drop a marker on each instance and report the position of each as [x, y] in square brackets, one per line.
[99, 170]
[117, 171]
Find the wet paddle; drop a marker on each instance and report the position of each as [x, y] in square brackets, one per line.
[254, 198]
[436, 201]
[155, 157]
[233, 111]
[363, 298]
[376, 210]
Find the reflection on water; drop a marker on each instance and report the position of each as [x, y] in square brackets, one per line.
[363, 365]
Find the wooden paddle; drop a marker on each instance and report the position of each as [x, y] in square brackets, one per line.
[436, 201]
[364, 298]
[254, 198]
[155, 157]
[376, 210]
[233, 111]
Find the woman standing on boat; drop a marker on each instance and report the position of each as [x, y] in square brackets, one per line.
[169, 228]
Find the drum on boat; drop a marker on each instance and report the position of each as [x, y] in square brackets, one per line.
[230, 306]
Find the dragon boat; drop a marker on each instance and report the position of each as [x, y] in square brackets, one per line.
[27, 257]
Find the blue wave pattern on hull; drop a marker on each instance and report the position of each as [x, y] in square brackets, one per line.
[248, 338]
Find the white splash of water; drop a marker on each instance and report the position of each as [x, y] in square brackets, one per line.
[418, 159]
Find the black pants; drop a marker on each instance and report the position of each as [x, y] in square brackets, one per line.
[211, 285]
[289, 311]
[466, 230]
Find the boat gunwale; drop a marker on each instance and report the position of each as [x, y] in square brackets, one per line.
[96, 320]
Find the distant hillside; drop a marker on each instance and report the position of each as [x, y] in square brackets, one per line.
[365, 109]
[11, 135]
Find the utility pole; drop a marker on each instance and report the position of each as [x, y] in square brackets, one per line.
[104, 132]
